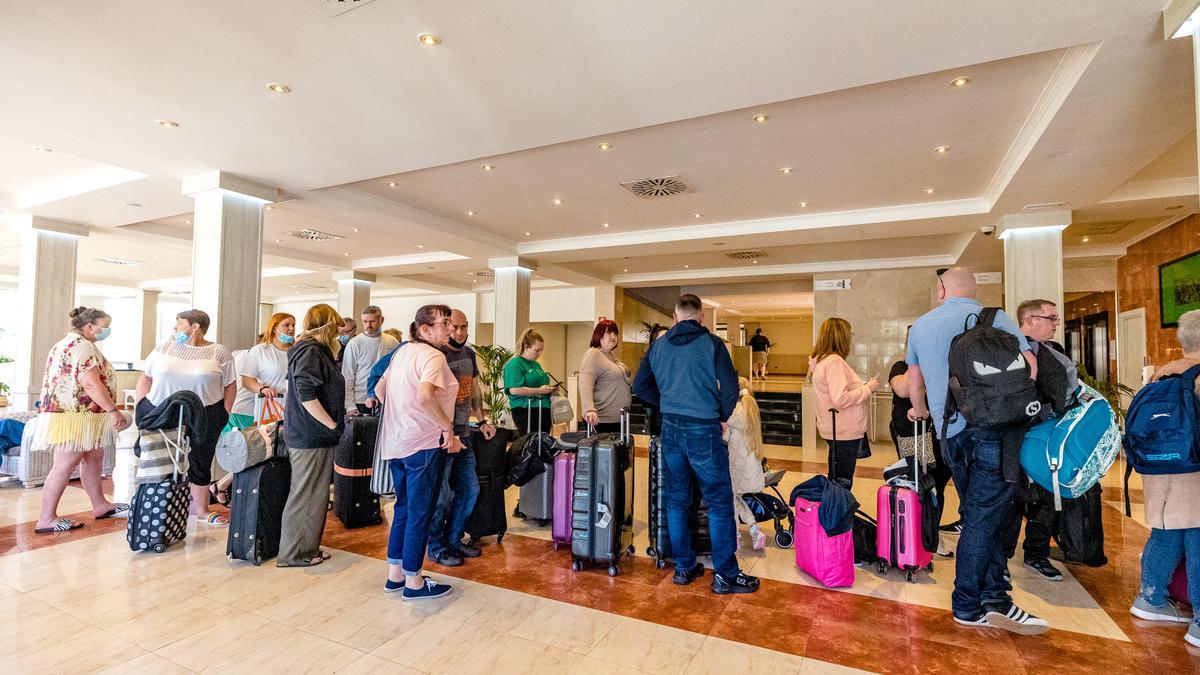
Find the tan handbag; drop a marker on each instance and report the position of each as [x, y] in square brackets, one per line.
[906, 446]
[239, 449]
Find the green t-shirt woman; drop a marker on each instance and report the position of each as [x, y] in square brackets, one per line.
[527, 385]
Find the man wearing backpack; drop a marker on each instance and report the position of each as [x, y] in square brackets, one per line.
[991, 368]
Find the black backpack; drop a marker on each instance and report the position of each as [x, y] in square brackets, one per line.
[989, 381]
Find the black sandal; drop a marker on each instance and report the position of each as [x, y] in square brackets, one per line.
[221, 496]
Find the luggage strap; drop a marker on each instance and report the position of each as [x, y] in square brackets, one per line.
[352, 473]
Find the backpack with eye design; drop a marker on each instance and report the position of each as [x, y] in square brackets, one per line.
[989, 381]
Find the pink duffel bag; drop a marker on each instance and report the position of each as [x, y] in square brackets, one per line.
[1177, 590]
[829, 560]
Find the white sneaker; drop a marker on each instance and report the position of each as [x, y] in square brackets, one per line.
[1168, 612]
[1018, 621]
[758, 540]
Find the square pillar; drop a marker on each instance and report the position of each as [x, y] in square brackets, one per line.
[148, 304]
[227, 253]
[1033, 263]
[512, 276]
[354, 293]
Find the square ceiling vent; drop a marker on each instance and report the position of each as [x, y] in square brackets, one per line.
[308, 234]
[648, 188]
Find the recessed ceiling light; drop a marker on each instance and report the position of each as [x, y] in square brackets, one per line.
[188, 222]
[277, 241]
[685, 267]
[270, 208]
[928, 191]
[420, 245]
[470, 213]
[346, 254]
[696, 215]
[786, 169]
[1086, 240]
[279, 88]
[754, 261]
[391, 184]
[942, 149]
[429, 39]
[168, 124]
[356, 229]
[959, 81]
[760, 118]
[528, 233]
[804, 205]
[557, 201]
[604, 146]
[625, 269]
[487, 167]
[606, 225]
[38, 148]
[133, 204]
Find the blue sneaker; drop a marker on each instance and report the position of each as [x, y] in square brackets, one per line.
[429, 591]
[393, 586]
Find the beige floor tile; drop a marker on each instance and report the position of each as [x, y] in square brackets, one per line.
[487, 606]
[61, 645]
[717, 655]
[512, 654]
[342, 616]
[146, 664]
[436, 643]
[566, 626]
[152, 620]
[648, 646]
[592, 666]
[369, 664]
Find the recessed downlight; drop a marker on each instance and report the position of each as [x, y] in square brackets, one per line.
[960, 81]
[470, 213]
[429, 39]
[528, 234]
[279, 88]
[557, 201]
[487, 167]
[685, 267]
[942, 149]
[187, 222]
[278, 241]
[420, 245]
[1086, 240]
[346, 254]
[928, 191]
[786, 169]
[167, 124]
[270, 208]
[604, 146]
[606, 225]
[804, 205]
[38, 148]
[391, 184]
[625, 269]
[355, 229]
[760, 118]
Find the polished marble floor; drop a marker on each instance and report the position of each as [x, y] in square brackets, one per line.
[82, 601]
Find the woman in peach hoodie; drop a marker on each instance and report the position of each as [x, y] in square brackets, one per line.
[839, 388]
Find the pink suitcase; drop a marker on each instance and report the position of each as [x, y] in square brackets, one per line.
[1177, 590]
[564, 490]
[829, 560]
[898, 541]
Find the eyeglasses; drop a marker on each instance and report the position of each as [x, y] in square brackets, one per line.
[1055, 318]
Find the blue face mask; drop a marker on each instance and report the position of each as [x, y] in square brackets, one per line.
[180, 336]
[343, 338]
[103, 333]
[286, 339]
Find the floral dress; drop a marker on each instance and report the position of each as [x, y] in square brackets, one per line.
[68, 418]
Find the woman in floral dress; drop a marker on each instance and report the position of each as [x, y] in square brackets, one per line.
[78, 418]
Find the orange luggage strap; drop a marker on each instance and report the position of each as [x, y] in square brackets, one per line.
[352, 473]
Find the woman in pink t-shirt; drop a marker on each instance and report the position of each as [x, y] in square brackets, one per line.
[416, 430]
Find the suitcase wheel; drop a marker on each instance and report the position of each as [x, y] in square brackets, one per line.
[160, 547]
[883, 567]
[499, 537]
[554, 546]
[929, 567]
[650, 551]
[576, 565]
[911, 576]
[631, 550]
[517, 514]
[783, 539]
[613, 570]
[542, 522]
[660, 564]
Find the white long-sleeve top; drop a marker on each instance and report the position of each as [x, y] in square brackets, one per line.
[359, 355]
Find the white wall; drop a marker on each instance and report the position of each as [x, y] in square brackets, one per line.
[548, 305]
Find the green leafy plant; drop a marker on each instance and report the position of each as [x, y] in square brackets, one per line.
[491, 361]
[1115, 392]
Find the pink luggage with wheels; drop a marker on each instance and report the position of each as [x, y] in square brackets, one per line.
[830, 560]
[564, 490]
[898, 541]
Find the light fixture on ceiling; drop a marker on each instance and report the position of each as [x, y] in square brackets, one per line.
[604, 146]
[606, 225]
[786, 169]
[528, 234]
[279, 88]
[697, 215]
[355, 229]
[487, 167]
[470, 213]
[1086, 240]
[960, 81]
[118, 261]
[420, 245]
[277, 241]
[754, 261]
[942, 149]
[429, 39]
[391, 184]
[270, 208]
[625, 269]
[685, 267]
[346, 254]
[167, 124]
[928, 191]
[187, 222]
[804, 205]
[760, 118]
[38, 148]
[557, 201]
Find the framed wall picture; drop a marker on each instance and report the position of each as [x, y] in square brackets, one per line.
[1178, 288]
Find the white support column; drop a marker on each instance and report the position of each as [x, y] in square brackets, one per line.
[354, 293]
[1033, 263]
[227, 253]
[148, 302]
[45, 295]
[511, 285]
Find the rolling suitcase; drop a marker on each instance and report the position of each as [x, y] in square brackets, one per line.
[159, 511]
[898, 539]
[660, 537]
[564, 486]
[601, 503]
[258, 496]
[536, 498]
[829, 560]
[353, 460]
[489, 517]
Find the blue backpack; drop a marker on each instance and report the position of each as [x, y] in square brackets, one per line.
[1068, 454]
[1162, 432]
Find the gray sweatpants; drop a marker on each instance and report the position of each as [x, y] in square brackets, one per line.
[307, 504]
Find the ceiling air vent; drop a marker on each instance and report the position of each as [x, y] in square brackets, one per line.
[118, 261]
[486, 274]
[1045, 205]
[746, 255]
[312, 235]
[656, 187]
[309, 287]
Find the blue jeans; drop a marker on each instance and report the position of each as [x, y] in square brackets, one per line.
[416, 479]
[986, 505]
[1163, 552]
[696, 448]
[457, 493]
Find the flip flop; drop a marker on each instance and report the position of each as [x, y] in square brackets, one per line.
[60, 525]
[215, 519]
[122, 511]
[311, 562]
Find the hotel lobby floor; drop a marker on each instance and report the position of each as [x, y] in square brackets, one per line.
[82, 600]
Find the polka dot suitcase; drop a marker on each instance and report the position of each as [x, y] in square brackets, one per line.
[159, 510]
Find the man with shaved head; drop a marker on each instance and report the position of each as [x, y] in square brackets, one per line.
[981, 587]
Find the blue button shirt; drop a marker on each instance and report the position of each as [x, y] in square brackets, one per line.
[929, 348]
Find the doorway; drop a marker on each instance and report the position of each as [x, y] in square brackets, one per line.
[1131, 347]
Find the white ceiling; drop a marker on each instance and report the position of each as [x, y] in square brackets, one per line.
[858, 96]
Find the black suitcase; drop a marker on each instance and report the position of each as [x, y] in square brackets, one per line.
[353, 462]
[660, 537]
[490, 516]
[259, 494]
[602, 504]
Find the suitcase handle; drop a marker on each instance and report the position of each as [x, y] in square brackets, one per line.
[833, 413]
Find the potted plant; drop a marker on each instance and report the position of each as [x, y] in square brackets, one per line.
[4, 390]
[495, 404]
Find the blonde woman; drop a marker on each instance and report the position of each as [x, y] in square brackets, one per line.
[744, 437]
[314, 409]
[527, 385]
[838, 388]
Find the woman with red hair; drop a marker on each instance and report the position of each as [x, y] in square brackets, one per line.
[603, 379]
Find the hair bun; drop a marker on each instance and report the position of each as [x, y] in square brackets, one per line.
[76, 312]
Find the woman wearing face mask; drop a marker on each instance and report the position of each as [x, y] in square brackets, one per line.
[527, 385]
[604, 380]
[314, 410]
[189, 363]
[78, 418]
[263, 370]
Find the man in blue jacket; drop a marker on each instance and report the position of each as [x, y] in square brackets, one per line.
[687, 374]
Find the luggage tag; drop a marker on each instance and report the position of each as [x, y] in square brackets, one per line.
[605, 515]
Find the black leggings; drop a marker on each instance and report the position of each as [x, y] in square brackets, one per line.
[527, 418]
[843, 459]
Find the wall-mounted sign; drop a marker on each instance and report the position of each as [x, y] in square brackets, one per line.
[831, 285]
[987, 277]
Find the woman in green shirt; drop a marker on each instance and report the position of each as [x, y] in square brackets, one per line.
[527, 385]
